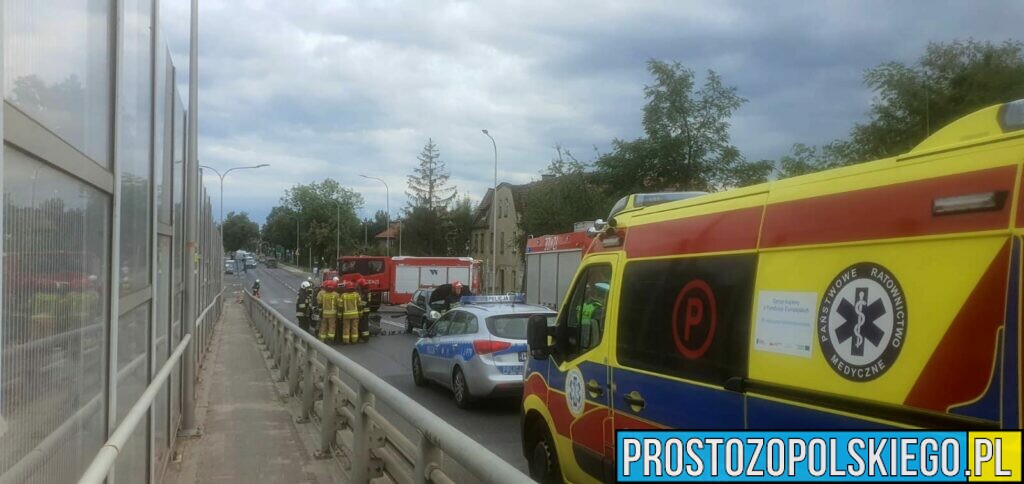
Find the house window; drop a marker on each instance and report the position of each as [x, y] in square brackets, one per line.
[501, 248]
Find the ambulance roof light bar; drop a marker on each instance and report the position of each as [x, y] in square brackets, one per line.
[1011, 116]
[514, 298]
[648, 199]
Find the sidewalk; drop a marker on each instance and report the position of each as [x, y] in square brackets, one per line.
[297, 270]
[248, 429]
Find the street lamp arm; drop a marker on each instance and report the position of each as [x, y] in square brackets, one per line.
[245, 168]
[213, 170]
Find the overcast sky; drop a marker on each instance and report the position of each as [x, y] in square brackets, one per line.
[324, 88]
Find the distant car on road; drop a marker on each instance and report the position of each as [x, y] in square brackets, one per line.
[416, 310]
[250, 262]
[477, 349]
[229, 267]
[271, 262]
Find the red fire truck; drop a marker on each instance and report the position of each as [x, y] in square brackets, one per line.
[551, 262]
[393, 280]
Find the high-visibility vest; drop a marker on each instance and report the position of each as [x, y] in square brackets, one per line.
[328, 302]
[350, 304]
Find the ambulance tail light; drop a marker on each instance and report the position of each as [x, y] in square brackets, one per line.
[486, 346]
[975, 202]
[1011, 116]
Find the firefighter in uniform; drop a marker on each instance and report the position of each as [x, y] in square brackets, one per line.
[304, 306]
[328, 301]
[364, 313]
[350, 306]
[449, 294]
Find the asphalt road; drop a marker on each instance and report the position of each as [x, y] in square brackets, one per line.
[492, 423]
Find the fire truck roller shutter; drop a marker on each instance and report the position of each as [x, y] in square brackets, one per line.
[458, 274]
[568, 262]
[407, 279]
[533, 278]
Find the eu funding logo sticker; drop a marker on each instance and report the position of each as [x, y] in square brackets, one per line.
[862, 322]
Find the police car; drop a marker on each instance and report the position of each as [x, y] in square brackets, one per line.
[478, 348]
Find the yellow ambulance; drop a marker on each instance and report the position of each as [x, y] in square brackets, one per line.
[880, 295]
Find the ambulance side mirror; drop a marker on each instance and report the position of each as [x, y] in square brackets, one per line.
[537, 336]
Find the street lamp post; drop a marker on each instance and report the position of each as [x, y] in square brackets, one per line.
[494, 216]
[221, 176]
[337, 235]
[387, 205]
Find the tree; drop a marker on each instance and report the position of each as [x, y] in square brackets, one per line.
[459, 228]
[428, 185]
[316, 208]
[686, 144]
[240, 232]
[374, 226]
[279, 228]
[913, 101]
[565, 195]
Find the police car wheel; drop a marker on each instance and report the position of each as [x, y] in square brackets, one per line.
[460, 389]
[417, 371]
[543, 461]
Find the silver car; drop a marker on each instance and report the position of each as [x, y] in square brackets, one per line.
[476, 350]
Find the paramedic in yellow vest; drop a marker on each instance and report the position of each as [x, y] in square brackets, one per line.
[592, 314]
[350, 314]
[328, 301]
[364, 313]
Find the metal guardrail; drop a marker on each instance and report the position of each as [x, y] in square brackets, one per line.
[104, 461]
[369, 445]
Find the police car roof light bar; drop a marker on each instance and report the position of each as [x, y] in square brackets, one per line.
[495, 299]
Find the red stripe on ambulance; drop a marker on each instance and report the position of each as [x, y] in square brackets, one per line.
[900, 210]
[716, 232]
[960, 369]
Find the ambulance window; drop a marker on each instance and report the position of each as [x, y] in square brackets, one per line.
[687, 318]
[581, 326]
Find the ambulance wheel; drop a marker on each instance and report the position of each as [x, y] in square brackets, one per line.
[417, 370]
[543, 459]
[461, 389]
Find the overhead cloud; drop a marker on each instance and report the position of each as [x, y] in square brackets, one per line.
[337, 89]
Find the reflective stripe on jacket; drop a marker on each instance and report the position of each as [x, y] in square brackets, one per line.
[350, 304]
[328, 302]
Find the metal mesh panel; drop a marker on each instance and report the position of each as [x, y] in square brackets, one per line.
[136, 91]
[57, 68]
[132, 344]
[56, 288]
[161, 344]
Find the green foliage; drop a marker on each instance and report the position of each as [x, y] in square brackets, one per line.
[368, 245]
[686, 144]
[912, 101]
[444, 232]
[568, 194]
[279, 228]
[240, 232]
[422, 232]
[326, 216]
[459, 228]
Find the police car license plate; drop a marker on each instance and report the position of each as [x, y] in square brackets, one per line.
[522, 356]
